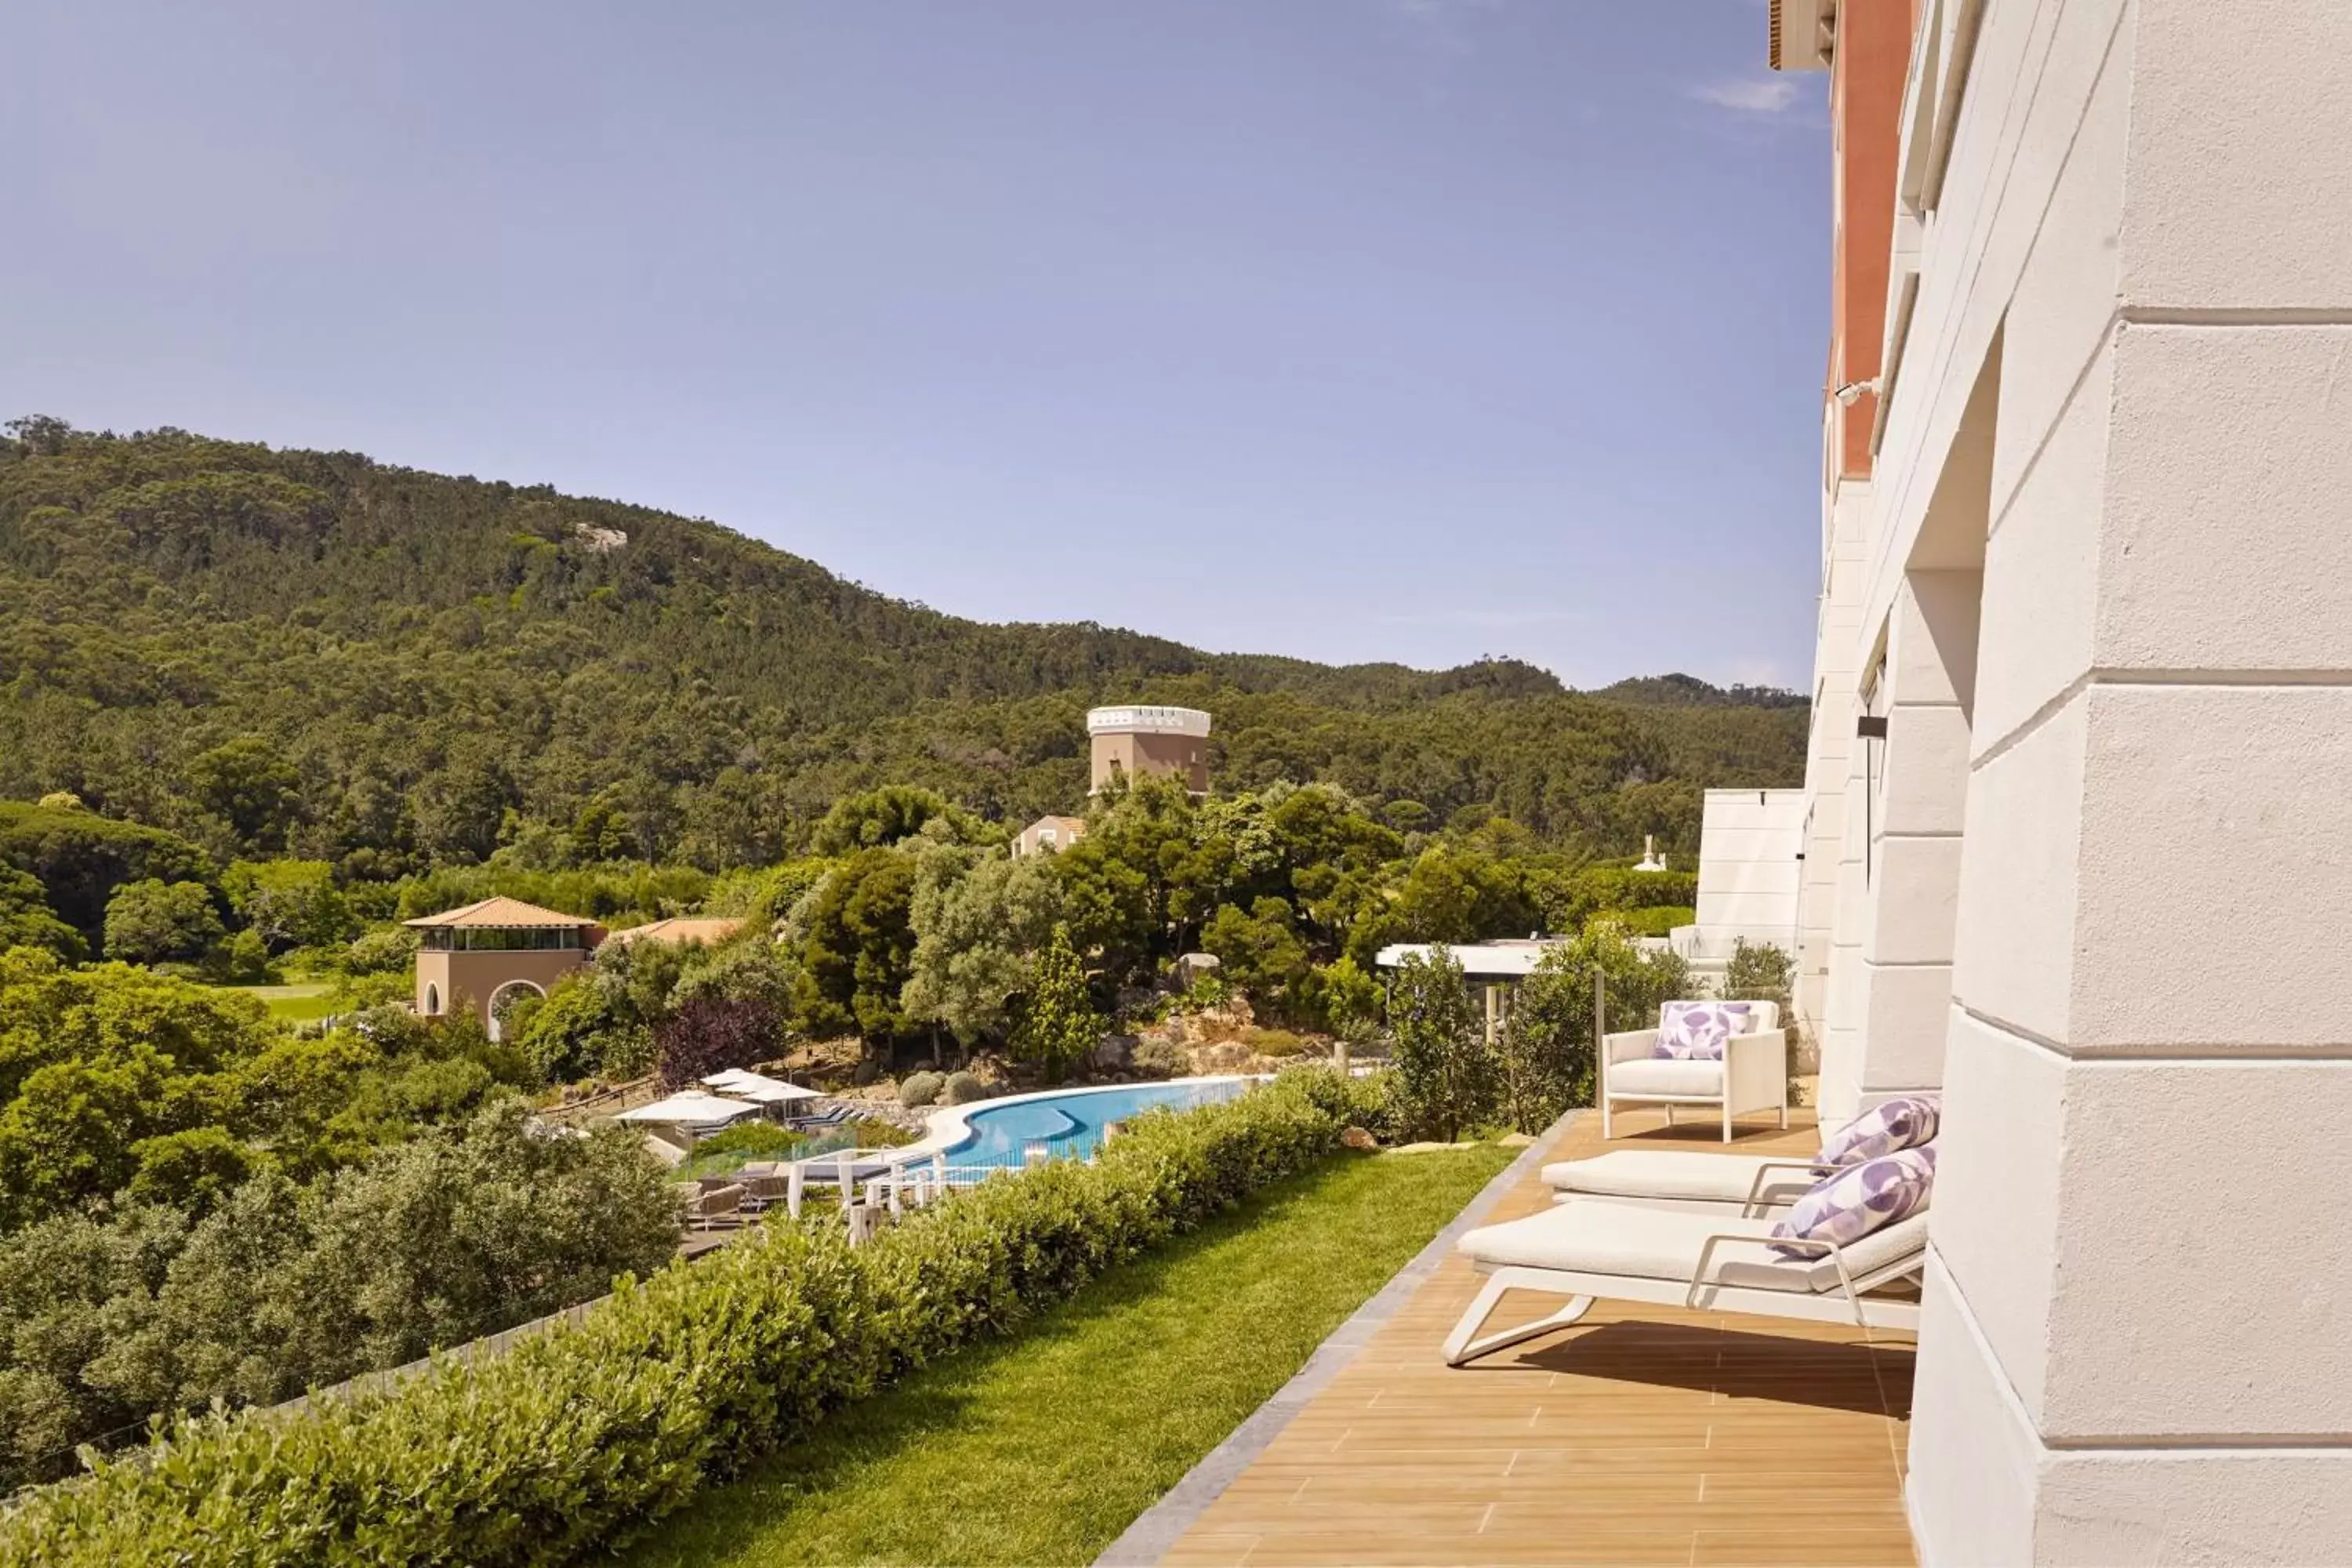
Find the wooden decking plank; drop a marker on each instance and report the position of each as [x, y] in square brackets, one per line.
[1641, 1435]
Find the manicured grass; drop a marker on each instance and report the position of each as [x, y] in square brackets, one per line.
[292, 1004]
[1041, 1447]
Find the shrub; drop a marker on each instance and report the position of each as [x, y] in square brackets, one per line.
[962, 1088]
[433, 1242]
[920, 1089]
[1759, 972]
[1373, 1102]
[1272, 1042]
[1660, 920]
[579, 1438]
[1157, 1056]
[1548, 1040]
[873, 1132]
[1446, 1070]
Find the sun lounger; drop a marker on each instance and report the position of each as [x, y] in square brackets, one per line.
[1599, 1249]
[716, 1205]
[1670, 1179]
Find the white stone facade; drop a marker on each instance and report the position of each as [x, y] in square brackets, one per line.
[1750, 866]
[2096, 872]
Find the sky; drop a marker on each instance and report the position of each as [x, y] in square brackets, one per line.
[1354, 329]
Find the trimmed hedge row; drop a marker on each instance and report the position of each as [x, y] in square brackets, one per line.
[577, 1440]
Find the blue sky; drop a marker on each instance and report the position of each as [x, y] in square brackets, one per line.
[1349, 329]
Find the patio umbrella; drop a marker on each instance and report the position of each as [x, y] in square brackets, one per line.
[758, 1089]
[692, 1111]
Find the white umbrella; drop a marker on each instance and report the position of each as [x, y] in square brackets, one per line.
[758, 1088]
[691, 1110]
[770, 1092]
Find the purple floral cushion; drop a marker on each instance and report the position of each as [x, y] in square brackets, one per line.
[1696, 1031]
[1848, 1206]
[1904, 1123]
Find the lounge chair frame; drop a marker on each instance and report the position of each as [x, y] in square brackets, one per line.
[1753, 1206]
[1850, 1300]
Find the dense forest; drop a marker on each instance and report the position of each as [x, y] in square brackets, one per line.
[275, 653]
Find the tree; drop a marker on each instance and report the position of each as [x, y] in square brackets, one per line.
[1351, 1001]
[1259, 952]
[583, 1023]
[150, 921]
[289, 904]
[80, 857]
[878, 819]
[978, 928]
[26, 921]
[193, 1169]
[711, 1034]
[249, 785]
[1445, 1073]
[1059, 1026]
[855, 946]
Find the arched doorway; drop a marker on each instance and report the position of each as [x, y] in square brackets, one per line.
[431, 1000]
[503, 999]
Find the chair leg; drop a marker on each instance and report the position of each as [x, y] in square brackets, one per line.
[1604, 1118]
[1670, 1113]
[1460, 1347]
[1726, 1121]
[1784, 1113]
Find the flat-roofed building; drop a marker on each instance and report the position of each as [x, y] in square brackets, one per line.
[1142, 740]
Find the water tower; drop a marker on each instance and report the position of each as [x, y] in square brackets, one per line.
[1140, 741]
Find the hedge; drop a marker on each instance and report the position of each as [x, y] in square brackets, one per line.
[576, 1441]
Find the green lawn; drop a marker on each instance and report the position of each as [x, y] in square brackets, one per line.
[1043, 1448]
[292, 1004]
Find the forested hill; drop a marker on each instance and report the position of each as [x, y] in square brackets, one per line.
[312, 652]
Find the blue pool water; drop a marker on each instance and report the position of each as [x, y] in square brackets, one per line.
[1070, 1125]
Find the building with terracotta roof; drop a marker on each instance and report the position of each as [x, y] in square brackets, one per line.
[707, 931]
[1049, 832]
[495, 951]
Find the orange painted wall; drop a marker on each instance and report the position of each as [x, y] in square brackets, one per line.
[1866, 76]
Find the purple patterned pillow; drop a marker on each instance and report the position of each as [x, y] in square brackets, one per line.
[1696, 1031]
[1850, 1204]
[1905, 1122]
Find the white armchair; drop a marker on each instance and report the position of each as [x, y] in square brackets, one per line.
[1752, 1076]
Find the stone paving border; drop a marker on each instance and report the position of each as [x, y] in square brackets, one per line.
[1162, 1525]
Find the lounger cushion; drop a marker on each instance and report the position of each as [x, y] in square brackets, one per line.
[1657, 1075]
[1598, 1236]
[1667, 1173]
[1907, 1121]
[1848, 1205]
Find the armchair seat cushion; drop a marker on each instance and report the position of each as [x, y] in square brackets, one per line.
[1666, 1075]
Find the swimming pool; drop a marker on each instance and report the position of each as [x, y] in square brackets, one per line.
[1070, 1122]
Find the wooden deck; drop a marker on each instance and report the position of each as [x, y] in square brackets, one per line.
[1642, 1435]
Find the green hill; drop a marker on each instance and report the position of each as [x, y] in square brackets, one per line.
[310, 651]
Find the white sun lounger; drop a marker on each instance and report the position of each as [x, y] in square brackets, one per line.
[1663, 1178]
[1599, 1249]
